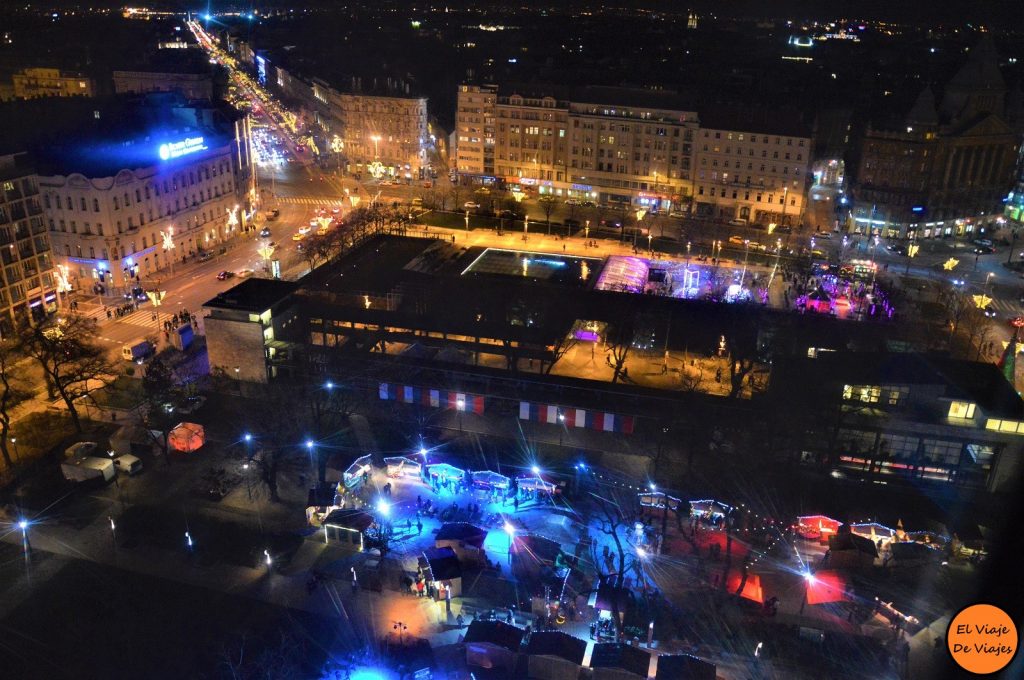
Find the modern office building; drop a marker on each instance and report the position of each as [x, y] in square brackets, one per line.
[35, 83]
[945, 166]
[135, 183]
[28, 286]
[902, 418]
[751, 167]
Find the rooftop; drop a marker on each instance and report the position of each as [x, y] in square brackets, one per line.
[981, 383]
[252, 295]
[100, 137]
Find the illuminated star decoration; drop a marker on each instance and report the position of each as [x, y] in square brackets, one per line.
[950, 264]
[981, 301]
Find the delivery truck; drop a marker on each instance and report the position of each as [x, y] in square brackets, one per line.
[86, 468]
[137, 350]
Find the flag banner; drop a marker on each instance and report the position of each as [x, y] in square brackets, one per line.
[408, 394]
[575, 417]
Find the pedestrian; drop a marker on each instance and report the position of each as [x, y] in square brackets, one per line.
[515, 503]
[419, 527]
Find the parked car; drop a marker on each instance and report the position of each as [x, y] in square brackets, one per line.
[984, 250]
[736, 240]
[205, 256]
[264, 232]
[224, 275]
[826, 235]
[738, 223]
[786, 229]
[470, 205]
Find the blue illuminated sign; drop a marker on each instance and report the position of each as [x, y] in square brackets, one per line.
[186, 146]
[918, 209]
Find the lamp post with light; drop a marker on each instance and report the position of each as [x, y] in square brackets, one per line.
[376, 149]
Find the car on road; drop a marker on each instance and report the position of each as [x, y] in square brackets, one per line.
[305, 230]
[754, 245]
[470, 205]
[244, 273]
[984, 250]
[205, 256]
[982, 242]
[298, 236]
[989, 313]
[265, 232]
[224, 275]
[736, 240]
[335, 210]
[897, 248]
[738, 223]
[826, 235]
[785, 229]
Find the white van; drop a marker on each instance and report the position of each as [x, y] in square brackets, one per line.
[128, 464]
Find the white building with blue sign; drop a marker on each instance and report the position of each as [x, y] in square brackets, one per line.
[171, 182]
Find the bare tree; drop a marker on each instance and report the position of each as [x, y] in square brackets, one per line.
[564, 344]
[65, 349]
[12, 394]
[547, 205]
[162, 396]
[617, 515]
[619, 336]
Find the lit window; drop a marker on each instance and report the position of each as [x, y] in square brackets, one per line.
[961, 409]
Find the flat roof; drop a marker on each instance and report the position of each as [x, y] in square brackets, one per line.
[254, 295]
[101, 137]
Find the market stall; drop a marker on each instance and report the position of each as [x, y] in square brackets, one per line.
[535, 483]
[400, 466]
[709, 509]
[187, 437]
[879, 534]
[445, 476]
[817, 527]
[490, 481]
[358, 472]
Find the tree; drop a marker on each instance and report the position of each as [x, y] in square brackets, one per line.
[66, 351]
[547, 206]
[616, 516]
[564, 344]
[12, 394]
[276, 418]
[162, 396]
[619, 337]
[380, 535]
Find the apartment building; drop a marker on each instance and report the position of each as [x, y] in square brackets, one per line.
[633, 153]
[35, 83]
[474, 133]
[751, 168]
[28, 289]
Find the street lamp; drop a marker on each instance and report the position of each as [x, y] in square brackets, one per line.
[526, 228]
[376, 140]
[467, 220]
[586, 230]
[269, 559]
[650, 244]
[401, 628]
[511, 531]
[384, 508]
[461, 404]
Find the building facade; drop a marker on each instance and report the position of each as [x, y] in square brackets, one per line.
[178, 189]
[28, 286]
[197, 86]
[34, 83]
[474, 131]
[944, 169]
[751, 175]
[640, 154]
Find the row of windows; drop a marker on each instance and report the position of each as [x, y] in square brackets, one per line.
[191, 178]
[203, 196]
[764, 154]
[724, 193]
[754, 139]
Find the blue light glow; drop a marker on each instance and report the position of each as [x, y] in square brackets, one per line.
[185, 147]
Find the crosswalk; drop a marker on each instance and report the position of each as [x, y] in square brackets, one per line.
[1006, 308]
[312, 201]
